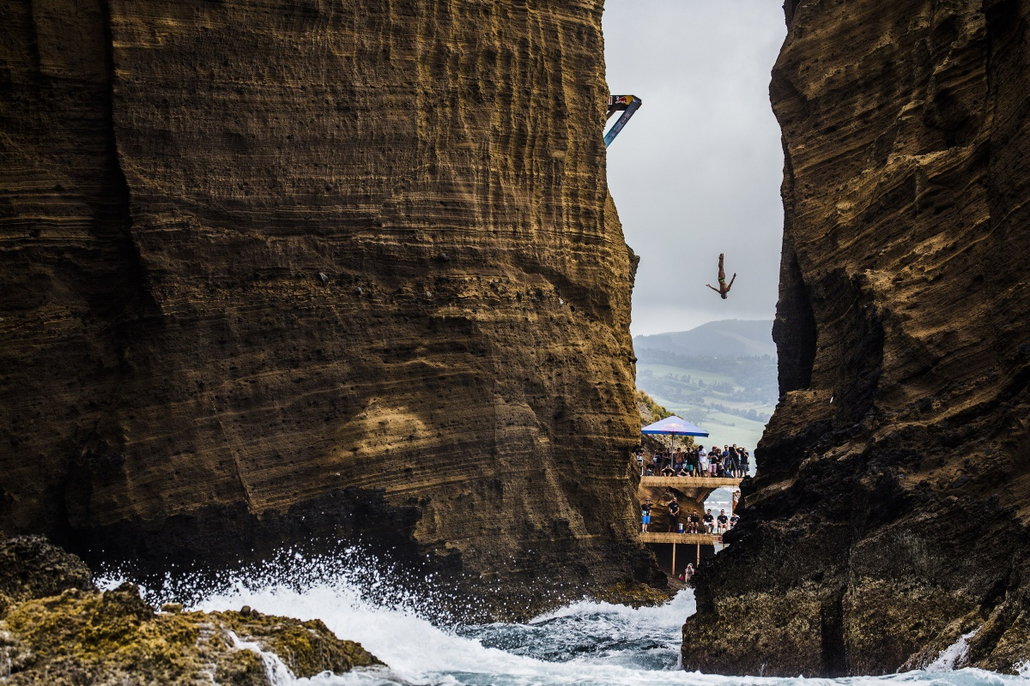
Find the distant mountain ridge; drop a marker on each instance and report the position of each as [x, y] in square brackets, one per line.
[726, 338]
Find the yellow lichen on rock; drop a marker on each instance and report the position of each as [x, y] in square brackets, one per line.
[114, 637]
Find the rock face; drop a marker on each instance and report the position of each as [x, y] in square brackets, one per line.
[278, 273]
[56, 628]
[889, 516]
[31, 568]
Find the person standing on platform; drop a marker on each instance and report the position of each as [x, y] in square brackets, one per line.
[645, 514]
[731, 463]
[674, 514]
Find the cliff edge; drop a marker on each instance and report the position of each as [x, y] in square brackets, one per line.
[301, 273]
[889, 518]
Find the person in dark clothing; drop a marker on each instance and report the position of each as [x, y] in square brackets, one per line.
[709, 521]
[715, 461]
[731, 464]
[695, 522]
[645, 514]
[674, 515]
[722, 520]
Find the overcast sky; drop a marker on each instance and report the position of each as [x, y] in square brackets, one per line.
[697, 170]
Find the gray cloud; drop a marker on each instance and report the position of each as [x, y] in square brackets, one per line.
[697, 171]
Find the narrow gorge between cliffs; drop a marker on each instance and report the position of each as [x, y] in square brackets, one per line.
[309, 309]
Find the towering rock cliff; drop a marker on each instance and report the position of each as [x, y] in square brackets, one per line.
[890, 513]
[285, 272]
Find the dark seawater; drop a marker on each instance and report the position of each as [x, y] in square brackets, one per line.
[584, 643]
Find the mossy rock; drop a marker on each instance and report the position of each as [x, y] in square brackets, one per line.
[242, 668]
[56, 628]
[650, 411]
[115, 638]
[30, 567]
[634, 594]
[104, 634]
[307, 648]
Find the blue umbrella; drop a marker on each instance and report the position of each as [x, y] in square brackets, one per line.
[674, 426]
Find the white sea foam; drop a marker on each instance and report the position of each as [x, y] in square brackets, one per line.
[581, 644]
[953, 655]
[275, 669]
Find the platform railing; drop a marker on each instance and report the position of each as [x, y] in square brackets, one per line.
[690, 481]
[672, 537]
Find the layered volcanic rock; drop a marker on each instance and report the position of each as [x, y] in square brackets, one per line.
[279, 272]
[890, 514]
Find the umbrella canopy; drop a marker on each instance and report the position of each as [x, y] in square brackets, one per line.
[674, 426]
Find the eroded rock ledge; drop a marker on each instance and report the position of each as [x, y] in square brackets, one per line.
[889, 517]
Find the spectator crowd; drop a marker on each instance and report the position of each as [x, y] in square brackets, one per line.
[729, 461]
[693, 523]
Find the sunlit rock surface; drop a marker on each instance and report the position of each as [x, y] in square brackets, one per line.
[57, 628]
[279, 273]
[890, 512]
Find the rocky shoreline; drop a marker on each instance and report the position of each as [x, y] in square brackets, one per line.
[57, 628]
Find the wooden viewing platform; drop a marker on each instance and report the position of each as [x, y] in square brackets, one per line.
[696, 540]
[711, 482]
[673, 537]
[692, 492]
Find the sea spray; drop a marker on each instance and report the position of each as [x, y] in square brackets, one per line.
[348, 572]
[953, 655]
[583, 643]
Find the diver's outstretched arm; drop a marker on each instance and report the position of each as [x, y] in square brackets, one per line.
[731, 283]
[714, 288]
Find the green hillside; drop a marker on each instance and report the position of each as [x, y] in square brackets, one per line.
[727, 338]
[731, 394]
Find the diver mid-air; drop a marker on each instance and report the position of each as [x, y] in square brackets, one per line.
[723, 288]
